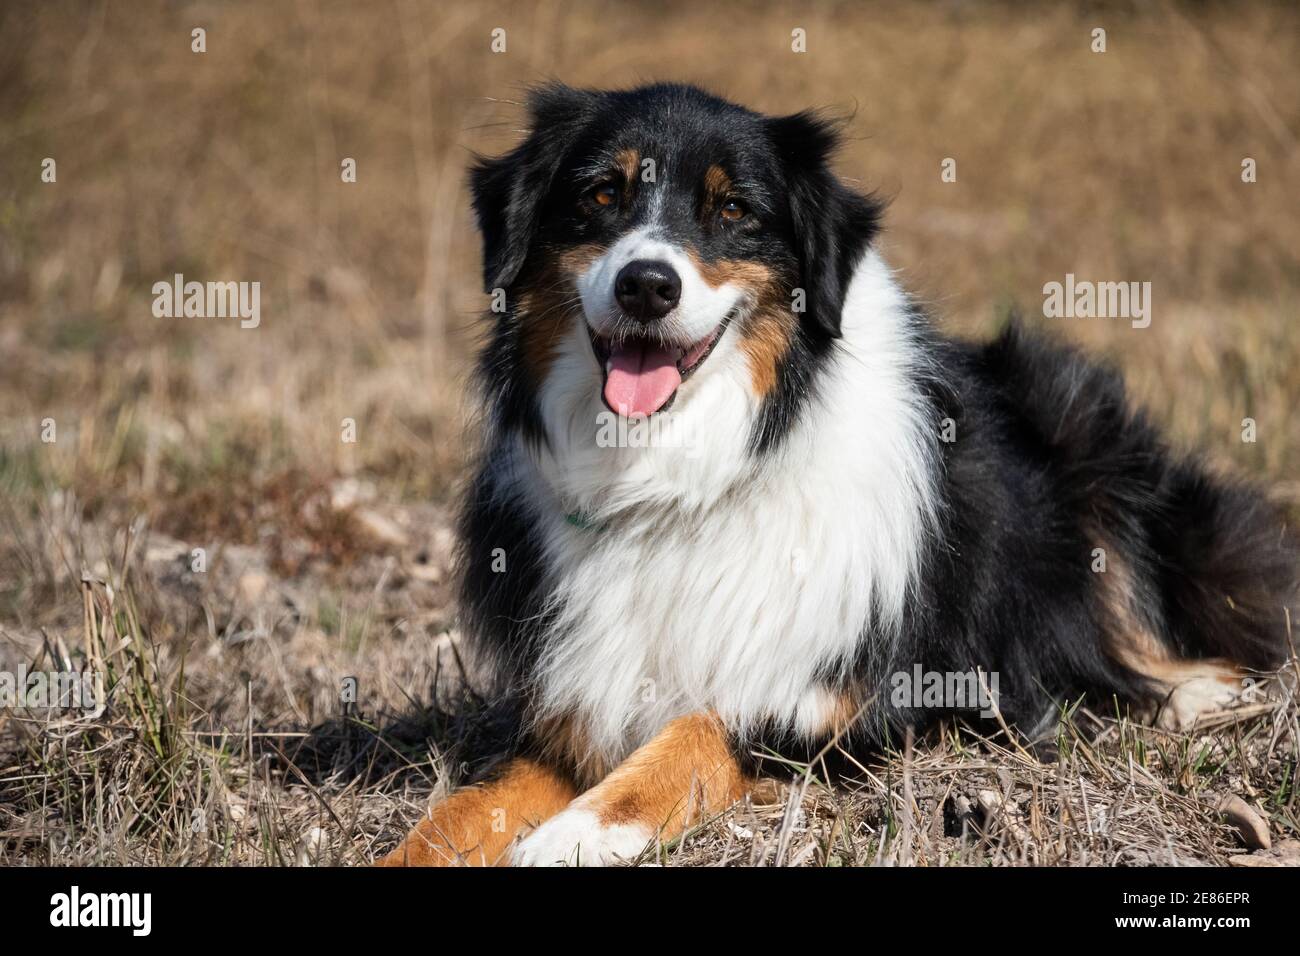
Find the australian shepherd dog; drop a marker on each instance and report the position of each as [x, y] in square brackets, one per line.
[737, 495]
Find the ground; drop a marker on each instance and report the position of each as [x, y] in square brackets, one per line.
[128, 441]
[226, 741]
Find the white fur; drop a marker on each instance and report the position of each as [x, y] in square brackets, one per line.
[723, 581]
[1198, 696]
[575, 837]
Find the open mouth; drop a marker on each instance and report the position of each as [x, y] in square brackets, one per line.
[642, 374]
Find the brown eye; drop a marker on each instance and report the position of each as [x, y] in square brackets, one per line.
[604, 195]
[732, 210]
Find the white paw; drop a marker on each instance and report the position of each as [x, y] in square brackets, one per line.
[1190, 700]
[575, 837]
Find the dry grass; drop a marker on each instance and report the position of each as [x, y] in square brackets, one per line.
[226, 742]
[1109, 792]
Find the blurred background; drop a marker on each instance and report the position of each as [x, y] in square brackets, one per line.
[225, 165]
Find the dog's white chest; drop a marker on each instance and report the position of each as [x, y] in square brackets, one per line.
[744, 613]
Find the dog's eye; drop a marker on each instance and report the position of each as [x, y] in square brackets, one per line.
[732, 210]
[604, 195]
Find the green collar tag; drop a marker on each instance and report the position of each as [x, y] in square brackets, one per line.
[580, 520]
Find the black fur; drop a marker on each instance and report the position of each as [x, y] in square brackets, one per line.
[509, 191]
[834, 225]
[1051, 461]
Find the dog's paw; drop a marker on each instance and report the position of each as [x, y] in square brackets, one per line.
[576, 837]
[1189, 701]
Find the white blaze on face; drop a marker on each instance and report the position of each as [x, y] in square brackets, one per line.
[642, 376]
[701, 309]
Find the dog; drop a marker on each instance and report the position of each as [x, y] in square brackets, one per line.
[830, 498]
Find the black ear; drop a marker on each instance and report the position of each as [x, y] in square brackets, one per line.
[508, 191]
[833, 225]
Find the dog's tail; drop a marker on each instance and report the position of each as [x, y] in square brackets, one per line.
[1226, 568]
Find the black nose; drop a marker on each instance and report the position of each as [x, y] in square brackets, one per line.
[647, 290]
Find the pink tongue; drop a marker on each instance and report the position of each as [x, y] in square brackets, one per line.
[642, 377]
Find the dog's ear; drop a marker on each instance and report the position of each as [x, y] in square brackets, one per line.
[833, 225]
[509, 191]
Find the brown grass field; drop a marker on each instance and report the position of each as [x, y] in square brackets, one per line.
[226, 742]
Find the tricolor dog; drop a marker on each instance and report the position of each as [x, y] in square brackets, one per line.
[835, 494]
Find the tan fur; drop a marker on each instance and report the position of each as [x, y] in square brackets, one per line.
[549, 307]
[565, 740]
[765, 334]
[845, 705]
[717, 187]
[765, 338]
[1189, 686]
[476, 825]
[754, 277]
[628, 162]
[683, 774]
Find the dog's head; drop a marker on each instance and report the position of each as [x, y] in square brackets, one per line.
[670, 236]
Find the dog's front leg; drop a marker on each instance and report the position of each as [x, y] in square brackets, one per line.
[475, 825]
[687, 771]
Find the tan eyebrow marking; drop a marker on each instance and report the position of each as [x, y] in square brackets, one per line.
[628, 162]
[717, 186]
